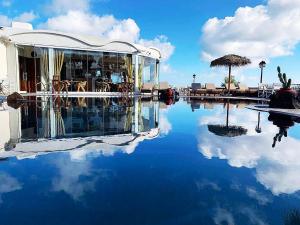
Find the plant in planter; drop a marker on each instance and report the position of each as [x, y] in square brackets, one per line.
[286, 83]
[285, 98]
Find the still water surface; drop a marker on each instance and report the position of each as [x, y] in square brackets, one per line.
[112, 162]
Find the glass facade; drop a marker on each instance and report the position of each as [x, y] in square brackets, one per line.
[64, 70]
[148, 71]
[86, 117]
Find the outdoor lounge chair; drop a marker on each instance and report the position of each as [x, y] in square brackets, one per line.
[233, 88]
[211, 89]
[163, 86]
[147, 87]
[242, 90]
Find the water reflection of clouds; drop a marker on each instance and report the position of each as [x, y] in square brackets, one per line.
[164, 124]
[76, 178]
[8, 184]
[277, 169]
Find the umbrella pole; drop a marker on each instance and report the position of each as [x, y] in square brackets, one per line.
[227, 116]
[229, 79]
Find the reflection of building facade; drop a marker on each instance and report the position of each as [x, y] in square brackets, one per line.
[45, 61]
[48, 125]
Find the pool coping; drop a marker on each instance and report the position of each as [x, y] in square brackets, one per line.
[265, 108]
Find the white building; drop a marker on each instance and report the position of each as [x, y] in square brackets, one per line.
[39, 61]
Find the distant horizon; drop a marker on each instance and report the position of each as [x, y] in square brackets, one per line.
[189, 35]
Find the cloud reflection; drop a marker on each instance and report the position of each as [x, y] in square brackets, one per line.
[277, 169]
[75, 178]
[8, 184]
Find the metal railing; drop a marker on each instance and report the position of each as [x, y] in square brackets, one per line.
[266, 90]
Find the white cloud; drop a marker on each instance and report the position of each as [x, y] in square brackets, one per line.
[8, 184]
[165, 126]
[260, 32]
[4, 20]
[207, 184]
[222, 216]
[167, 50]
[107, 26]
[63, 6]
[276, 169]
[161, 42]
[70, 175]
[103, 26]
[260, 197]
[26, 17]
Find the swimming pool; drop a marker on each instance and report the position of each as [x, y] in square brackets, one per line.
[130, 161]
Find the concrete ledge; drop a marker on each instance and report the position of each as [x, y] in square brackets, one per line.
[265, 108]
[226, 97]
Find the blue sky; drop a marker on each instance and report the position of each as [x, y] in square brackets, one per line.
[182, 25]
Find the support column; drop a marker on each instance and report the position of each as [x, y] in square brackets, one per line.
[51, 66]
[136, 75]
[136, 115]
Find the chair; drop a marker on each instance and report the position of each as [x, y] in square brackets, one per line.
[163, 86]
[233, 88]
[242, 89]
[102, 87]
[65, 84]
[147, 87]
[81, 86]
[211, 89]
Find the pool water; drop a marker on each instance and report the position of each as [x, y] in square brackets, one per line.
[135, 162]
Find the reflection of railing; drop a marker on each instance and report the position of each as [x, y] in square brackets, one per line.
[4, 88]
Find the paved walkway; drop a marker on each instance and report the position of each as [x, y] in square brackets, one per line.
[265, 108]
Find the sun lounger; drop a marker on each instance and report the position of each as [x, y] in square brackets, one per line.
[211, 89]
[242, 89]
[147, 87]
[233, 88]
[163, 86]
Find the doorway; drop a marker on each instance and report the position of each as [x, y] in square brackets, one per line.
[29, 70]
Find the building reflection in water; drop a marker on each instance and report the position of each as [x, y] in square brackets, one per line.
[45, 125]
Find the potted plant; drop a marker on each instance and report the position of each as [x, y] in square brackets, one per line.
[286, 83]
[285, 97]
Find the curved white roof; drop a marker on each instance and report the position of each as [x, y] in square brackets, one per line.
[55, 39]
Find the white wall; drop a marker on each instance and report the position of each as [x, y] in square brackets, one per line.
[12, 67]
[5, 129]
[3, 62]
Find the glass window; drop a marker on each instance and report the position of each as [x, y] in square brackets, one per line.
[95, 71]
[42, 68]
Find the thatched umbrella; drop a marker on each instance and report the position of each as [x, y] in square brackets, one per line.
[226, 130]
[230, 61]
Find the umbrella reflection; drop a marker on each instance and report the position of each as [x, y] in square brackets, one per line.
[226, 130]
[258, 128]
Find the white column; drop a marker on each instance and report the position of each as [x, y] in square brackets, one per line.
[136, 115]
[51, 66]
[136, 75]
[52, 119]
